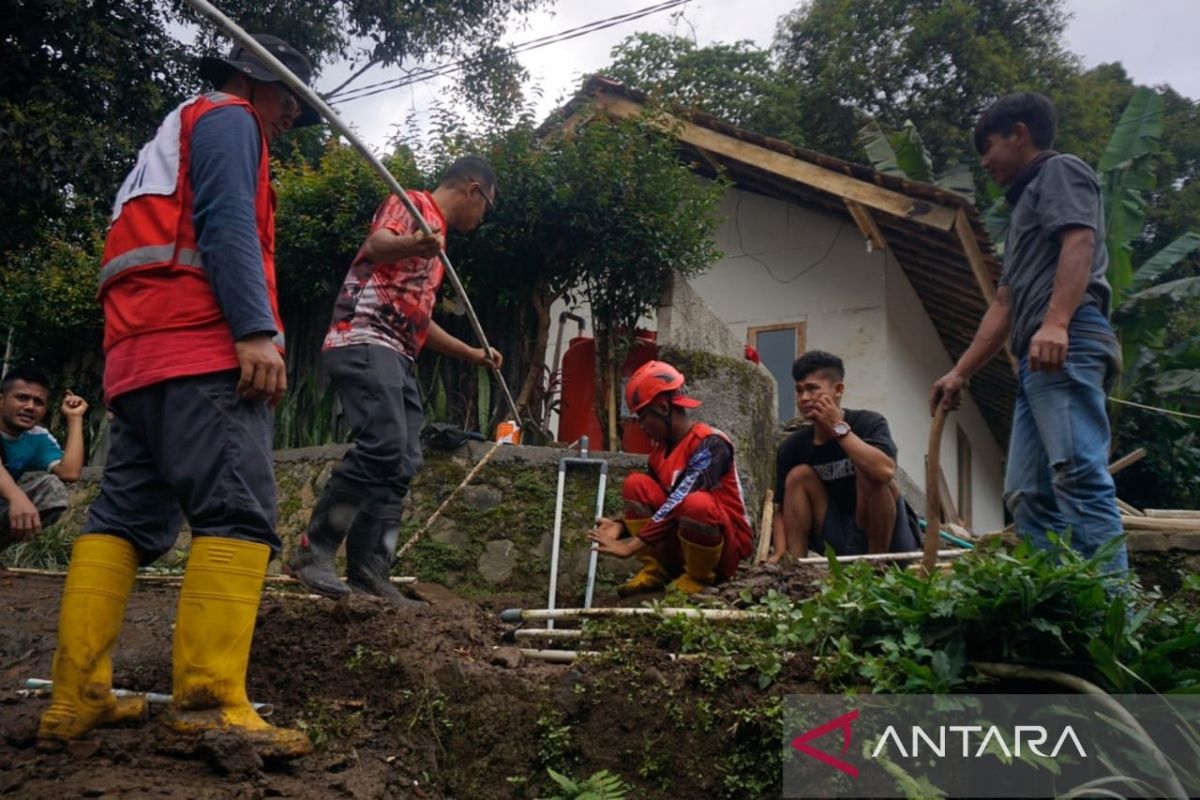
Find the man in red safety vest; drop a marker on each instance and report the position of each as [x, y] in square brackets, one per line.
[194, 362]
[686, 519]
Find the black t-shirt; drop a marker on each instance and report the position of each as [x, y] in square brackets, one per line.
[829, 460]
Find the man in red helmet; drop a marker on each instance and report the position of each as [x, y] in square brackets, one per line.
[686, 519]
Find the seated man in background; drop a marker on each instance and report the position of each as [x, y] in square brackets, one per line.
[32, 465]
[835, 480]
[686, 518]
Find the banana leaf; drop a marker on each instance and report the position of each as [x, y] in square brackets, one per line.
[1164, 260]
[879, 150]
[1125, 172]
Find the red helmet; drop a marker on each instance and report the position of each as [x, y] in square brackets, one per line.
[652, 379]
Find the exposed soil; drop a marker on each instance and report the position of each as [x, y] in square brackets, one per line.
[400, 704]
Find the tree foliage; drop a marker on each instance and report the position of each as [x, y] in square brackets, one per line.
[935, 62]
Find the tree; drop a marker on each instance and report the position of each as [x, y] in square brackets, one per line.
[82, 86]
[602, 212]
[736, 82]
[935, 62]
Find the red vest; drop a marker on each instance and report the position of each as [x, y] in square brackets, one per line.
[152, 277]
[666, 469]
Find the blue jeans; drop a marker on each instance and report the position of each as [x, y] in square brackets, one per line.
[1057, 478]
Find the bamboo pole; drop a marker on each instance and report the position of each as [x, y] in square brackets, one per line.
[1172, 513]
[1127, 461]
[1160, 524]
[766, 527]
[416, 537]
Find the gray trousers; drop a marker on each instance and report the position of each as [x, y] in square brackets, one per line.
[382, 403]
[48, 495]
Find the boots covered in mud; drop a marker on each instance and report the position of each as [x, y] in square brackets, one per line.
[370, 552]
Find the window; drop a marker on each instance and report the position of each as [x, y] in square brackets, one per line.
[964, 477]
[778, 346]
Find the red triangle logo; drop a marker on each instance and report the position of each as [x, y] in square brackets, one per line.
[841, 723]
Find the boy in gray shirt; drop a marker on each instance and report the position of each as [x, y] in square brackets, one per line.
[1052, 305]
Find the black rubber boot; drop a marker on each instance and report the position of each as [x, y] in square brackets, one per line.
[313, 560]
[370, 551]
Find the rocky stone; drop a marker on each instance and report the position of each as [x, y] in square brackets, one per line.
[446, 531]
[83, 748]
[507, 657]
[482, 497]
[229, 754]
[497, 561]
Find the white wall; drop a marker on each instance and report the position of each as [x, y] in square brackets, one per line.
[785, 264]
[916, 358]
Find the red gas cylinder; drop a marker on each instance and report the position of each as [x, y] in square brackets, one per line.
[577, 411]
[644, 348]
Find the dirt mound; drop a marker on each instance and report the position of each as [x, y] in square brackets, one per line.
[399, 704]
[796, 581]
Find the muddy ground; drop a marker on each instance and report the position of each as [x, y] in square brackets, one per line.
[402, 704]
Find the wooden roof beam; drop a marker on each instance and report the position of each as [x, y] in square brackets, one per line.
[827, 180]
[970, 245]
[867, 225]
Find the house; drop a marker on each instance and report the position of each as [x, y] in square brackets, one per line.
[890, 274]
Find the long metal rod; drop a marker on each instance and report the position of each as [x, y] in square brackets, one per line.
[235, 32]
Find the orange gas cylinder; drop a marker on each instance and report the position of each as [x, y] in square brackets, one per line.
[577, 411]
[644, 348]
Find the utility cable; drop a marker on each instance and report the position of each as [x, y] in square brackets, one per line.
[428, 73]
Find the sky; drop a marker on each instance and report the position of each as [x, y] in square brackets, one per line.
[1156, 44]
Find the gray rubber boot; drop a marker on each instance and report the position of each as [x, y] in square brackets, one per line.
[313, 560]
[370, 551]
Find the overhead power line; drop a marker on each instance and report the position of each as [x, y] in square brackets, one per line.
[428, 73]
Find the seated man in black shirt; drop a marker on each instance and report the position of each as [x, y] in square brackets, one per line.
[835, 480]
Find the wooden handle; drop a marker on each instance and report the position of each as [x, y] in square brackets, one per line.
[933, 503]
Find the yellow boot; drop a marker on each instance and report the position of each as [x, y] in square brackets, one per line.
[213, 630]
[699, 566]
[652, 576]
[99, 581]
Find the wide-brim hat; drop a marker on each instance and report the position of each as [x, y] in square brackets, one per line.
[217, 70]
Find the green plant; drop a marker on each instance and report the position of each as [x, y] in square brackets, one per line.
[554, 740]
[49, 550]
[602, 785]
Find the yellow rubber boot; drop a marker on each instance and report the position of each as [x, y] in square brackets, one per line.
[97, 589]
[699, 566]
[653, 575]
[213, 630]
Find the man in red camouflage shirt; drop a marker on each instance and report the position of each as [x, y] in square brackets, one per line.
[382, 319]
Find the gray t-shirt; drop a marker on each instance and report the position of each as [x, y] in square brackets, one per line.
[1064, 194]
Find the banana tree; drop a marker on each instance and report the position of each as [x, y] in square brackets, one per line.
[904, 155]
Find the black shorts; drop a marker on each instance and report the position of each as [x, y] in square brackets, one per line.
[841, 530]
[188, 447]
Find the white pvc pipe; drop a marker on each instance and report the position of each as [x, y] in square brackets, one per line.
[556, 541]
[550, 614]
[594, 555]
[547, 633]
[914, 555]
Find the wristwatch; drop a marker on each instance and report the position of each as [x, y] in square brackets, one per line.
[841, 429]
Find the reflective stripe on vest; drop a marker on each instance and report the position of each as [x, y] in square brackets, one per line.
[150, 254]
